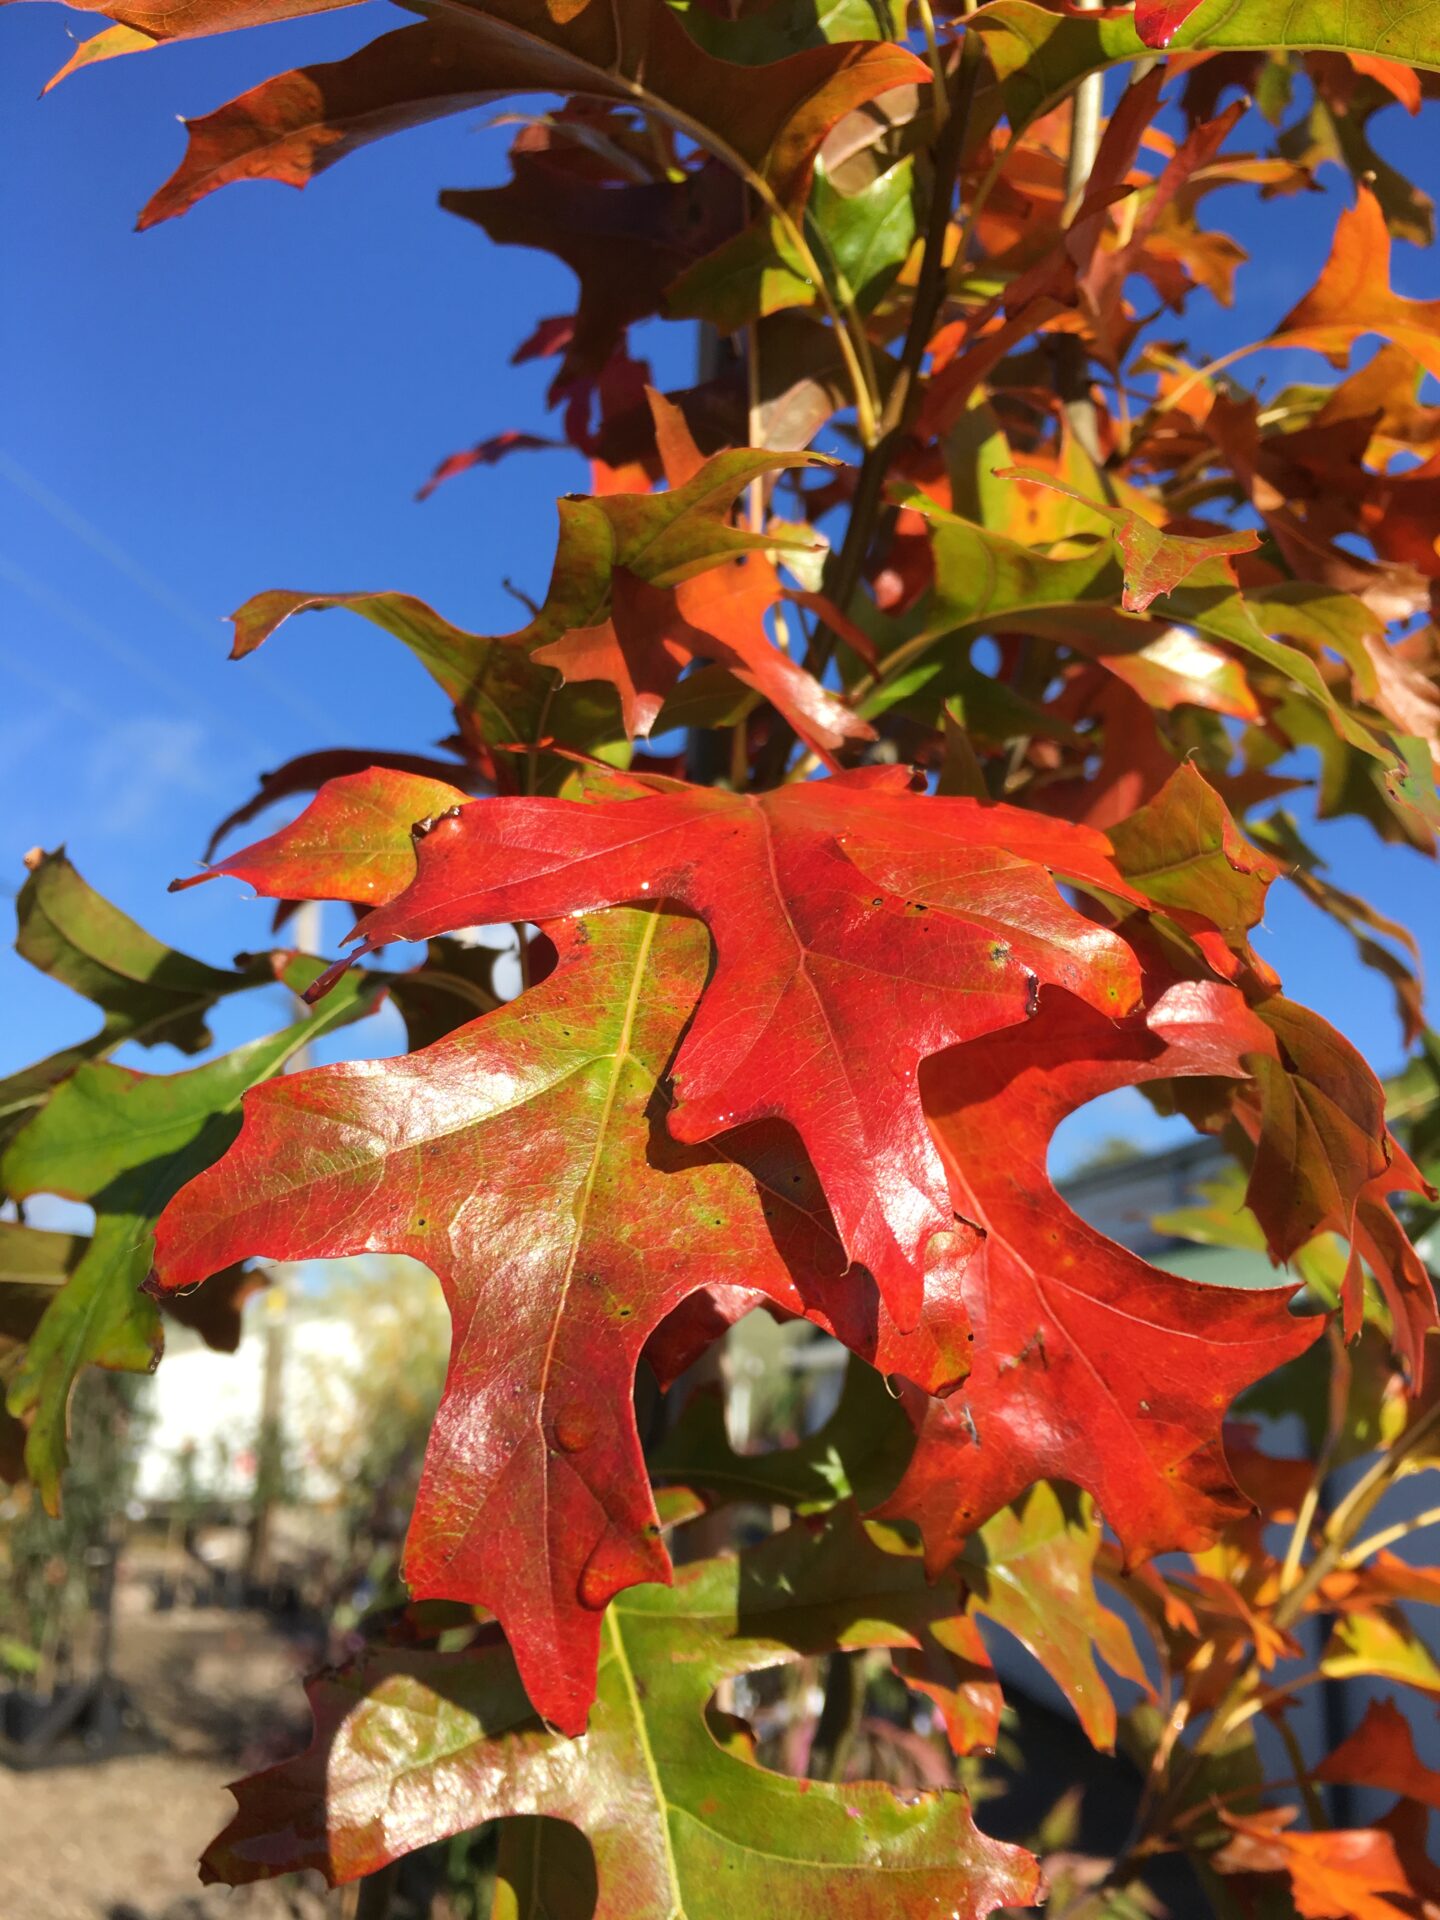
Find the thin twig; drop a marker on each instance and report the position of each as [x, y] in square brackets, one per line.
[1304, 1520]
[1308, 1790]
[1401, 1530]
[756, 489]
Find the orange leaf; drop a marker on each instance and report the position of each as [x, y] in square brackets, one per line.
[108, 44]
[1381, 1753]
[1353, 296]
[1334, 1876]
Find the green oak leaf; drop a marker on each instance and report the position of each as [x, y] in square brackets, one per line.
[1342, 135]
[510, 699]
[661, 538]
[34, 1264]
[1381, 1643]
[987, 582]
[769, 33]
[1038, 55]
[758, 272]
[413, 1747]
[1184, 852]
[867, 235]
[1030, 1570]
[147, 991]
[493, 680]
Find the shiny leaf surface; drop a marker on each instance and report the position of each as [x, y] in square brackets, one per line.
[1090, 1366]
[535, 1501]
[832, 906]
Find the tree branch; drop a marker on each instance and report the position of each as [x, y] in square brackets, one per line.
[844, 572]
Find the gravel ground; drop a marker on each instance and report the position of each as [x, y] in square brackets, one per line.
[118, 1839]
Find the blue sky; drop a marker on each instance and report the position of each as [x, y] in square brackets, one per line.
[248, 397]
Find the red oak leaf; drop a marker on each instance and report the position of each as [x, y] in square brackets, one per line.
[146, 22]
[308, 772]
[859, 927]
[935, 1355]
[109, 44]
[1158, 21]
[524, 1159]
[1324, 1159]
[293, 126]
[356, 843]
[641, 647]
[1089, 1365]
[624, 244]
[1385, 1578]
[727, 606]
[485, 453]
[411, 1747]
[651, 634]
[961, 1683]
[1326, 1162]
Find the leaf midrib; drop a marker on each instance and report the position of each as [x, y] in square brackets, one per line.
[647, 1754]
[619, 1059]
